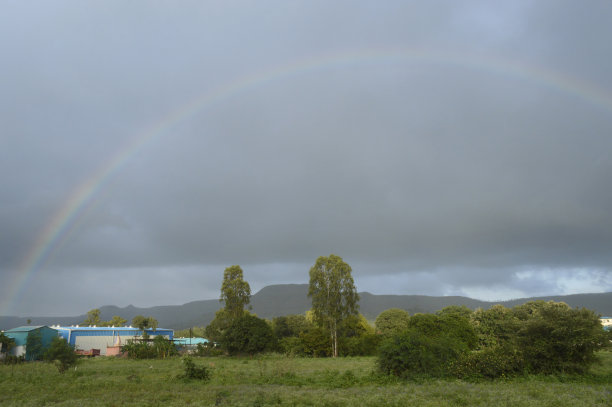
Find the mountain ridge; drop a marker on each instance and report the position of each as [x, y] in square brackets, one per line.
[286, 299]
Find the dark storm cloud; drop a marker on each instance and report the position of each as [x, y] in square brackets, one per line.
[447, 175]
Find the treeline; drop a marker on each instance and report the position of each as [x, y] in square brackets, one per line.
[537, 337]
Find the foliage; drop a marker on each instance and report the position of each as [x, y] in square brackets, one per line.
[158, 348]
[114, 321]
[291, 346]
[144, 323]
[34, 346]
[6, 343]
[207, 349]
[315, 342]
[290, 325]
[492, 362]
[430, 346]
[415, 353]
[456, 321]
[193, 332]
[217, 327]
[235, 292]
[248, 335]
[556, 338]
[93, 318]
[192, 371]
[61, 353]
[278, 380]
[391, 321]
[333, 294]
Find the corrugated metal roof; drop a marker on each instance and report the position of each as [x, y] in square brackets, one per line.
[106, 328]
[25, 328]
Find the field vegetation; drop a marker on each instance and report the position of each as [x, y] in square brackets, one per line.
[272, 379]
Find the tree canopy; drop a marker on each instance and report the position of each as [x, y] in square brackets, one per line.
[392, 321]
[235, 292]
[333, 294]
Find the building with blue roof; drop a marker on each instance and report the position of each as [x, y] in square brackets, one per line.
[606, 322]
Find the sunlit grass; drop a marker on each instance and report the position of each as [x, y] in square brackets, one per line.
[278, 380]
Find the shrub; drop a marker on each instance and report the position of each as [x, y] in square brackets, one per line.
[362, 345]
[392, 321]
[494, 362]
[192, 371]
[556, 338]
[414, 353]
[248, 334]
[160, 348]
[316, 342]
[292, 346]
[61, 354]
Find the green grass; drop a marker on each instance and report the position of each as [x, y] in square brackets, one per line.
[277, 380]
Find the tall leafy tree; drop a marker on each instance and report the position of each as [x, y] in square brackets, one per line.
[144, 323]
[333, 295]
[235, 292]
[93, 317]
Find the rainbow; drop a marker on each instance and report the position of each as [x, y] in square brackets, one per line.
[66, 219]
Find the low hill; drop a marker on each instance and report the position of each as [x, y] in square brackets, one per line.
[286, 299]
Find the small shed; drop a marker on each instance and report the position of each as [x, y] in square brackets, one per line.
[21, 335]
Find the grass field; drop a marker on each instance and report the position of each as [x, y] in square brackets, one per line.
[278, 380]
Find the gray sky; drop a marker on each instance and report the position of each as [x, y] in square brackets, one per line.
[439, 147]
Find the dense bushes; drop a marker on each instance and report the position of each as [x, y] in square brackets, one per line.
[537, 337]
[430, 346]
[159, 347]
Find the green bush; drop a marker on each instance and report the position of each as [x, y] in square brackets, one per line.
[159, 347]
[248, 335]
[61, 354]
[192, 371]
[316, 342]
[362, 345]
[489, 363]
[292, 346]
[414, 353]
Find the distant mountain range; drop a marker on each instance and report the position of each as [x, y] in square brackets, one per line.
[286, 299]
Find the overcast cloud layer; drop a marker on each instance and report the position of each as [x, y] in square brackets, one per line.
[439, 147]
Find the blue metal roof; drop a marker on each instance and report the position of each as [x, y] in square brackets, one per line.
[25, 328]
[108, 328]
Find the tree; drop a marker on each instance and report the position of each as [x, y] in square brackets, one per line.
[215, 330]
[248, 334]
[144, 323]
[115, 321]
[235, 292]
[34, 345]
[391, 321]
[61, 353]
[333, 295]
[93, 317]
[6, 343]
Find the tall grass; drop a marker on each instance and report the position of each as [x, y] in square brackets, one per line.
[278, 380]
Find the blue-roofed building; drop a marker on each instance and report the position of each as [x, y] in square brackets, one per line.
[21, 334]
[90, 337]
[190, 342]
[606, 322]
